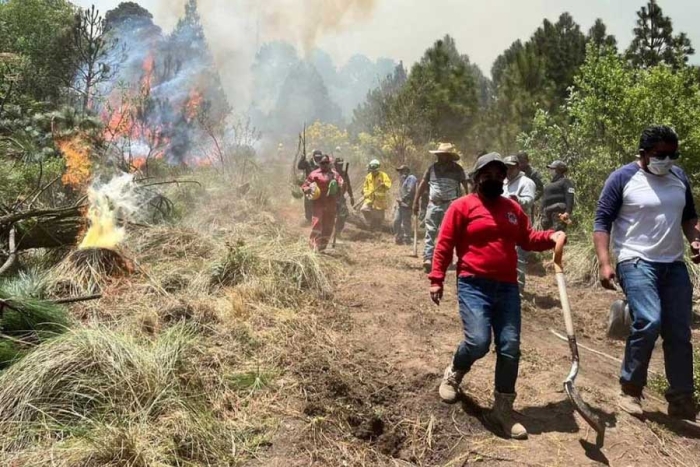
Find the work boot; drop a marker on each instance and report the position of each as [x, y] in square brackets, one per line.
[427, 266]
[630, 401]
[502, 416]
[683, 408]
[449, 387]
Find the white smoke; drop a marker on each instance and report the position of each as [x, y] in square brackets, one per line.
[235, 30]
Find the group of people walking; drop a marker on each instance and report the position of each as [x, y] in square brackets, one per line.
[485, 220]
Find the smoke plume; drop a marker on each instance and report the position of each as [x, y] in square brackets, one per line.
[235, 29]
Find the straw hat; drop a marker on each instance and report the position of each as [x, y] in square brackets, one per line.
[447, 148]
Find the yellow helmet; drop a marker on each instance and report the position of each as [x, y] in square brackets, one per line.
[315, 192]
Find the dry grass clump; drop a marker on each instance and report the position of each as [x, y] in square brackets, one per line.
[85, 272]
[580, 261]
[98, 397]
[172, 243]
[275, 272]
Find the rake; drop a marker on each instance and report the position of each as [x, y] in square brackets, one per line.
[581, 407]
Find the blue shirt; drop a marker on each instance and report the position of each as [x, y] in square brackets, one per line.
[644, 213]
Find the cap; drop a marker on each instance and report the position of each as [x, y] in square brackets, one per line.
[403, 167]
[558, 165]
[490, 158]
[317, 152]
[374, 164]
[511, 160]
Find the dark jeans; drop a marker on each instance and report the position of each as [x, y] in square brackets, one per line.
[660, 297]
[486, 305]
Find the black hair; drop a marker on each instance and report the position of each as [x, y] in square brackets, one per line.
[656, 134]
[522, 156]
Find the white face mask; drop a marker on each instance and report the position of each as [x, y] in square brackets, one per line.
[660, 166]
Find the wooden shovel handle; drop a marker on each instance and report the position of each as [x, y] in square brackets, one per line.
[559, 254]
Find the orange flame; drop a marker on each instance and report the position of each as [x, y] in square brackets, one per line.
[193, 104]
[78, 165]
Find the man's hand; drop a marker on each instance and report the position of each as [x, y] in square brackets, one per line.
[565, 218]
[415, 209]
[352, 200]
[608, 277]
[436, 294]
[695, 252]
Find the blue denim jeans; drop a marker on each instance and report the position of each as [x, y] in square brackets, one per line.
[433, 220]
[403, 226]
[486, 305]
[660, 297]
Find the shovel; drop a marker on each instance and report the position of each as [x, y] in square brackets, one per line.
[581, 407]
[415, 237]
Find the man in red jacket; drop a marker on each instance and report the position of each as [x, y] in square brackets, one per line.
[323, 186]
[485, 228]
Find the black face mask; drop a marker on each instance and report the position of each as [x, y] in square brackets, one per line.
[491, 189]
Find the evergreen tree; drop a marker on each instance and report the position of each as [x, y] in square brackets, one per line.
[443, 87]
[654, 42]
[303, 98]
[599, 37]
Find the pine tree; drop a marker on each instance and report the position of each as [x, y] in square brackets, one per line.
[654, 42]
[599, 37]
[444, 88]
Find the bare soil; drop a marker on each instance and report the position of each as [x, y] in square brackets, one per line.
[370, 396]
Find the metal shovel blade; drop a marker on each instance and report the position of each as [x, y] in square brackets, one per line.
[581, 407]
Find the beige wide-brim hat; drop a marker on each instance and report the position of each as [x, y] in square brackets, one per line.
[447, 148]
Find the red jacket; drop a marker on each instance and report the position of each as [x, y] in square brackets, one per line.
[323, 180]
[485, 236]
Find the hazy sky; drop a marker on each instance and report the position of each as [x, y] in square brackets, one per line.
[403, 29]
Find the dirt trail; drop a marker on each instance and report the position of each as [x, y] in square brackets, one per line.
[394, 345]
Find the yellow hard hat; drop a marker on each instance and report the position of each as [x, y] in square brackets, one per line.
[315, 192]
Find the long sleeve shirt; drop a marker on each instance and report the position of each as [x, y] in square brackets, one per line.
[485, 235]
[522, 188]
[407, 191]
[376, 190]
[323, 181]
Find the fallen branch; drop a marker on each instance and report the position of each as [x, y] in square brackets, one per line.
[63, 301]
[13, 252]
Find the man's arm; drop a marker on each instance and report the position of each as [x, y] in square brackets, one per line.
[422, 188]
[526, 195]
[303, 163]
[691, 230]
[609, 205]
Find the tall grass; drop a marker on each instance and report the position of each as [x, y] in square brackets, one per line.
[99, 397]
